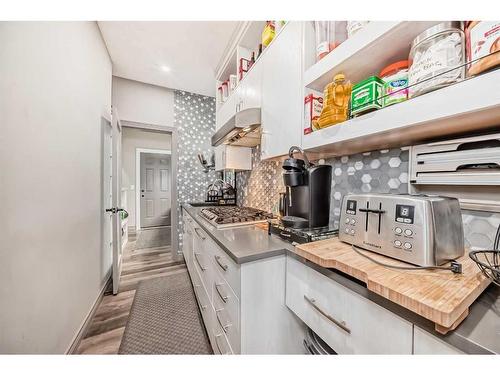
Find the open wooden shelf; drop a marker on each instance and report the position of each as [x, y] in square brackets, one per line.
[469, 106]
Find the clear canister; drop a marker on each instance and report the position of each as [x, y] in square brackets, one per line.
[437, 58]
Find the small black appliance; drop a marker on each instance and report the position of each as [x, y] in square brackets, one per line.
[306, 202]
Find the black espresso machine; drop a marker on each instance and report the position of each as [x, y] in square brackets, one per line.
[306, 202]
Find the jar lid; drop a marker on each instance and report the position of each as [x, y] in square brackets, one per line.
[339, 77]
[403, 64]
[440, 28]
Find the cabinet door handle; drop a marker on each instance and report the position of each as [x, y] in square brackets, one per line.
[196, 255]
[223, 326]
[217, 344]
[218, 259]
[223, 297]
[200, 235]
[341, 325]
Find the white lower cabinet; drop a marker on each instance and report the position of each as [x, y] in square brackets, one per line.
[243, 306]
[348, 322]
[426, 343]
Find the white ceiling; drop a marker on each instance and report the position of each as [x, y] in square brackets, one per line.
[191, 49]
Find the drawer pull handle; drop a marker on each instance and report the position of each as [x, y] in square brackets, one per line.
[219, 262]
[224, 326]
[223, 297]
[341, 325]
[203, 268]
[200, 235]
[217, 344]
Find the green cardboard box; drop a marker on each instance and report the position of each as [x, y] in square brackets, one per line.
[367, 95]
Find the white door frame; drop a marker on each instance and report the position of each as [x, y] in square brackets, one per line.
[117, 188]
[138, 152]
[176, 254]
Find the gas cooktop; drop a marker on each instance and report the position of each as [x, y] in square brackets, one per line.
[230, 216]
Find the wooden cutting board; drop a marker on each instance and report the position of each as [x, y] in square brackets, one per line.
[438, 295]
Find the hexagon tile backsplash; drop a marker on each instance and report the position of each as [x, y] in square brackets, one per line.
[383, 171]
[194, 118]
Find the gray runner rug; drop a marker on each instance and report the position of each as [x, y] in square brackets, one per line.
[164, 319]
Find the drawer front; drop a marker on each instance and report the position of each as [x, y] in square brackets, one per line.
[348, 322]
[187, 245]
[206, 309]
[227, 311]
[221, 343]
[204, 268]
[426, 343]
[226, 267]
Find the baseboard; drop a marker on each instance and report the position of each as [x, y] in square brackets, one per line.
[88, 319]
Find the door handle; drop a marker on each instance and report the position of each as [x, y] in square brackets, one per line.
[341, 325]
[200, 235]
[196, 255]
[223, 297]
[218, 259]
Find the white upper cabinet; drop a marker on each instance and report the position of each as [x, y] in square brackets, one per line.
[233, 157]
[282, 92]
[227, 109]
[249, 89]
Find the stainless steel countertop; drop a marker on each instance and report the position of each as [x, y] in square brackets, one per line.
[479, 333]
[243, 244]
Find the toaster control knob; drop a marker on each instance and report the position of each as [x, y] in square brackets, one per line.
[407, 245]
[398, 230]
[353, 221]
[408, 232]
[347, 221]
[397, 243]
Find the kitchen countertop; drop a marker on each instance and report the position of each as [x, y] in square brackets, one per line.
[243, 244]
[479, 333]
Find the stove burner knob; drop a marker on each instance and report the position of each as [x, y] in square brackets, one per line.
[353, 221]
[347, 230]
[347, 221]
[398, 230]
[407, 246]
[397, 243]
[352, 231]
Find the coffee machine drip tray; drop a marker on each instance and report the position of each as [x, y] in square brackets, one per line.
[295, 222]
[298, 235]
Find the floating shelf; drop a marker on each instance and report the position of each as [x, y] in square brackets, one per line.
[371, 49]
[469, 106]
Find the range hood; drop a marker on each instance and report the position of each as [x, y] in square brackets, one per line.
[242, 129]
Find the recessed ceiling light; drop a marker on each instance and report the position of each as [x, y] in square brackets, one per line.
[165, 68]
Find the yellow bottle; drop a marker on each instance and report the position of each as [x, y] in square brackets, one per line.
[335, 102]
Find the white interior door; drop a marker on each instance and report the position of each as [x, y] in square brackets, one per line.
[155, 189]
[116, 202]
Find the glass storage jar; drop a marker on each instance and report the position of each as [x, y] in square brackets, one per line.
[437, 58]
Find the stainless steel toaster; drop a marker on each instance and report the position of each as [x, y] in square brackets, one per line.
[418, 229]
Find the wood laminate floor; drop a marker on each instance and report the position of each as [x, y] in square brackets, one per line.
[108, 324]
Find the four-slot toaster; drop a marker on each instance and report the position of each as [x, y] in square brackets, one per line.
[421, 230]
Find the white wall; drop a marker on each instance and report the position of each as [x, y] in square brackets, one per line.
[55, 84]
[131, 140]
[141, 102]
